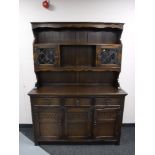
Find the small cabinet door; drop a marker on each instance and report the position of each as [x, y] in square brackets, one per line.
[48, 122]
[77, 122]
[46, 56]
[106, 122]
[108, 55]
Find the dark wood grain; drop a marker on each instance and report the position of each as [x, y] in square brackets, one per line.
[76, 25]
[77, 96]
[73, 90]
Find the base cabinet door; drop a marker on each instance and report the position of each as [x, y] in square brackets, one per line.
[73, 123]
[77, 123]
[48, 123]
[106, 123]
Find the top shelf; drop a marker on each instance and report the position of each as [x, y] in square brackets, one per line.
[76, 25]
[99, 33]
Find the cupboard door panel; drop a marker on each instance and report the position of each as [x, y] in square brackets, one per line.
[48, 122]
[106, 122]
[50, 130]
[77, 130]
[78, 122]
[108, 55]
[105, 129]
[46, 56]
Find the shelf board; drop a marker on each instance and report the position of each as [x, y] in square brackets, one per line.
[73, 43]
[51, 68]
[99, 25]
[75, 90]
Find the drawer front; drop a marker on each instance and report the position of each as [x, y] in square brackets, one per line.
[78, 102]
[108, 101]
[46, 101]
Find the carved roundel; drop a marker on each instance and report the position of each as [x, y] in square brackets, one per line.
[108, 56]
[44, 56]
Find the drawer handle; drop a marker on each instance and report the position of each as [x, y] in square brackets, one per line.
[77, 101]
[47, 100]
[95, 123]
[107, 101]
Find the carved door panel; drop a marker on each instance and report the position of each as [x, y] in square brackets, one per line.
[48, 122]
[46, 56]
[77, 122]
[106, 122]
[107, 55]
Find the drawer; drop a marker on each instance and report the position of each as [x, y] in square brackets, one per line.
[78, 101]
[46, 101]
[108, 101]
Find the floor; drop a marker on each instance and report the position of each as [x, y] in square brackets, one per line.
[26, 147]
[126, 147]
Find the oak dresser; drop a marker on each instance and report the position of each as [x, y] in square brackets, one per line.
[77, 97]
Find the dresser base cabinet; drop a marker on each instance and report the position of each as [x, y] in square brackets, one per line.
[77, 119]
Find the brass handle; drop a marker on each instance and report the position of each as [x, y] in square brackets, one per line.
[107, 101]
[77, 101]
[48, 100]
[95, 123]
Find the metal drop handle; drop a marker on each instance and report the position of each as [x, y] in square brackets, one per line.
[77, 101]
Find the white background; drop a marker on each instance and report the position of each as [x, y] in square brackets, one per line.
[76, 10]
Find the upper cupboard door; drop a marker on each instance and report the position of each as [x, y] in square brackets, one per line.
[46, 56]
[108, 55]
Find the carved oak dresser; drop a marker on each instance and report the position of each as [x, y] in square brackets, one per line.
[77, 97]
